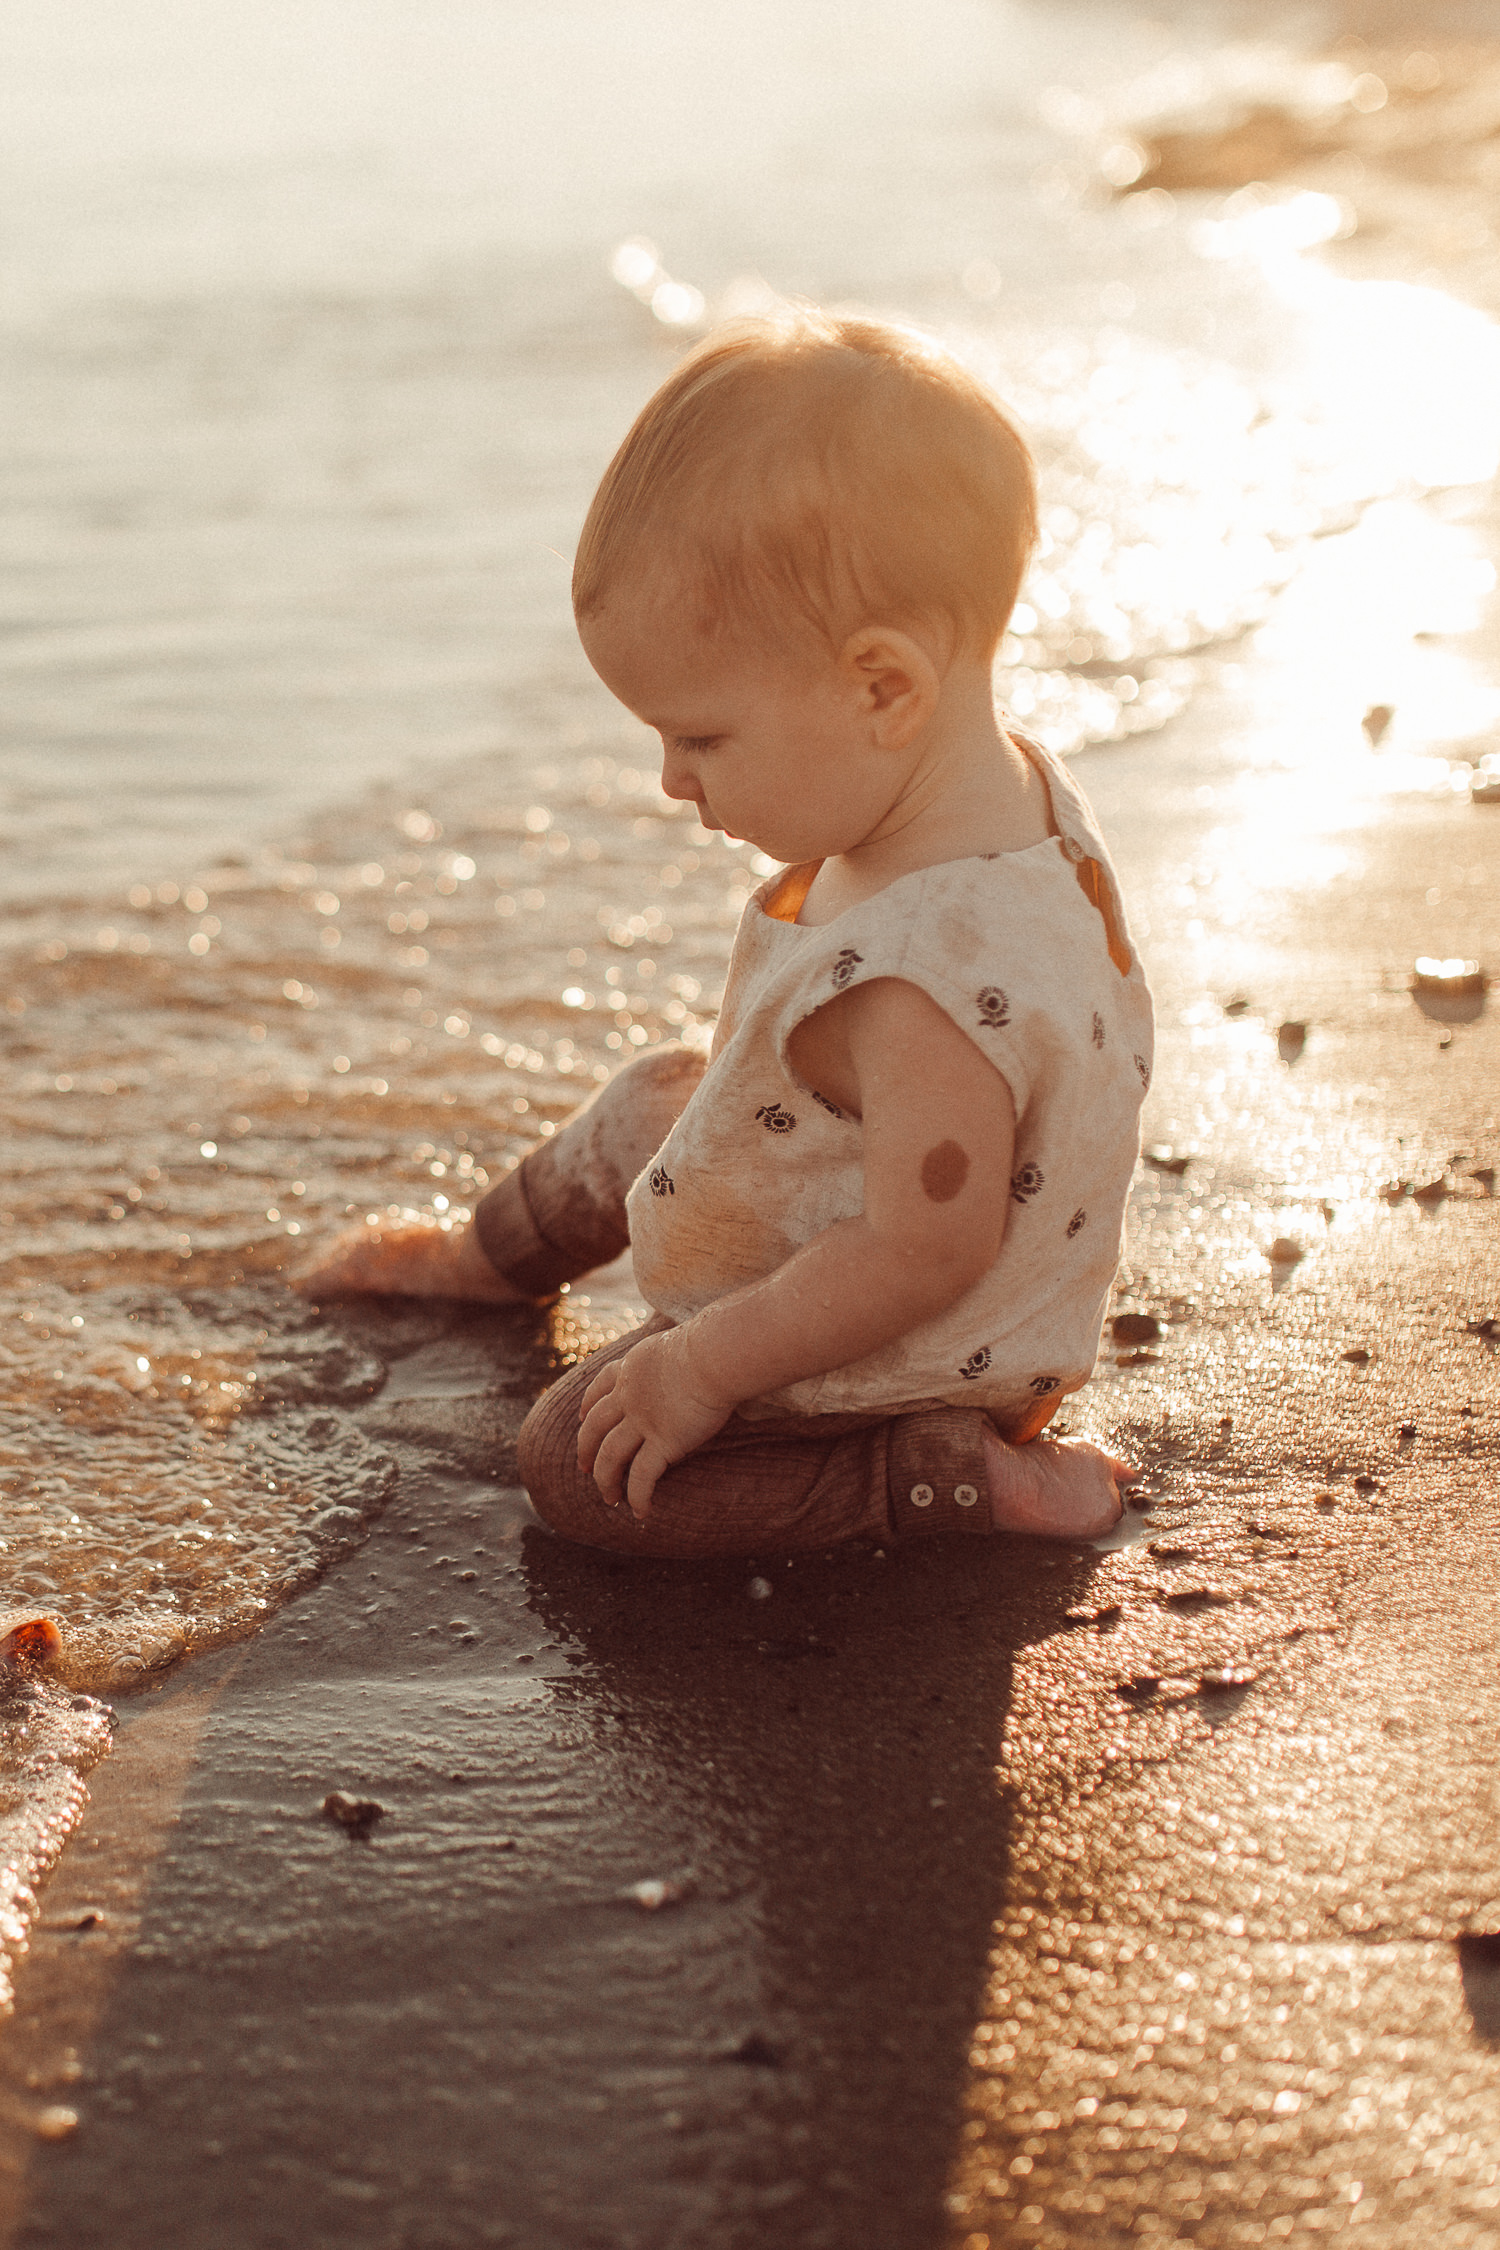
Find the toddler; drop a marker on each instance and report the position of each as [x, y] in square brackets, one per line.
[879, 1228]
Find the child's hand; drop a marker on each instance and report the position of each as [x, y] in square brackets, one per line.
[642, 1413]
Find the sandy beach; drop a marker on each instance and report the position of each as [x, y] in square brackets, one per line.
[935, 1900]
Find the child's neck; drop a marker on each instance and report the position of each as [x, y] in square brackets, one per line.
[967, 789]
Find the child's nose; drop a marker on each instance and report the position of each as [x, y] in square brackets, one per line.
[678, 780]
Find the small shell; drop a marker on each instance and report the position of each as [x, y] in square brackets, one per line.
[28, 1636]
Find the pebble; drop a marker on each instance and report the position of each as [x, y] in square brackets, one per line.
[1489, 1328]
[1358, 1356]
[1366, 1483]
[357, 1814]
[55, 2123]
[1375, 722]
[1291, 1038]
[1226, 1679]
[1485, 1175]
[1285, 1252]
[1435, 1192]
[1104, 1618]
[1237, 1007]
[1407, 1432]
[1451, 979]
[655, 1892]
[1163, 1160]
[1135, 1328]
[759, 1589]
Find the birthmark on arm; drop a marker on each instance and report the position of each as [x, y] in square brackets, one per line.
[944, 1171]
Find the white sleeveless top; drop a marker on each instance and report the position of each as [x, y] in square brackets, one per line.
[1028, 953]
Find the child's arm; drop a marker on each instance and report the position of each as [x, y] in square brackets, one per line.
[939, 1133]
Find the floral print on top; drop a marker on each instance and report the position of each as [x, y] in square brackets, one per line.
[1029, 954]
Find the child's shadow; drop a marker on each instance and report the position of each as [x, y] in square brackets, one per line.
[831, 1750]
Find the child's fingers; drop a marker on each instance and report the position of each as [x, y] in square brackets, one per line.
[603, 1383]
[1124, 1472]
[612, 1461]
[644, 1471]
[603, 1416]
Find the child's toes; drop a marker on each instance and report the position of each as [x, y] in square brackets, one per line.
[1052, 1490]
[327, 1269]
[361, 1260]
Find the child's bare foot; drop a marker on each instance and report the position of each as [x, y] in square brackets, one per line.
[406, 1258]
[1055, 1488]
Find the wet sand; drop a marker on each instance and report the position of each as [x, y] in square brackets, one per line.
[1017, 1895]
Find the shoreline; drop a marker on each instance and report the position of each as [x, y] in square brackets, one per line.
[1409, 151]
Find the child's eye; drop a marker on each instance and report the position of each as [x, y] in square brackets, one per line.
[691, 742]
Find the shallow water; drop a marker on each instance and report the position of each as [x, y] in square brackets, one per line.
[330, 877]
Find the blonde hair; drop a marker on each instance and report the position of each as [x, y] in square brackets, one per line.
[842, 469]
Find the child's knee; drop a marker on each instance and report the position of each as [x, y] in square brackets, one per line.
[547, 1456]
[563, 1494]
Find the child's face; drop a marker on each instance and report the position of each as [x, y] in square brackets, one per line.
[773, 745]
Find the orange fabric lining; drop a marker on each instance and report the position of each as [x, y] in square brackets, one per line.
[785, 902]
[1090, 874]
[1091, 882]
[1031, 1422]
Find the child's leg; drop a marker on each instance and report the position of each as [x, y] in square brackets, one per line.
[762, 1488]
[562, 1211]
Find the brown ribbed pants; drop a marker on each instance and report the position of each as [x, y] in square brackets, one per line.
[758, 1488]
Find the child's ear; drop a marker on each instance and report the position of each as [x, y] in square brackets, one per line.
[896, 680]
